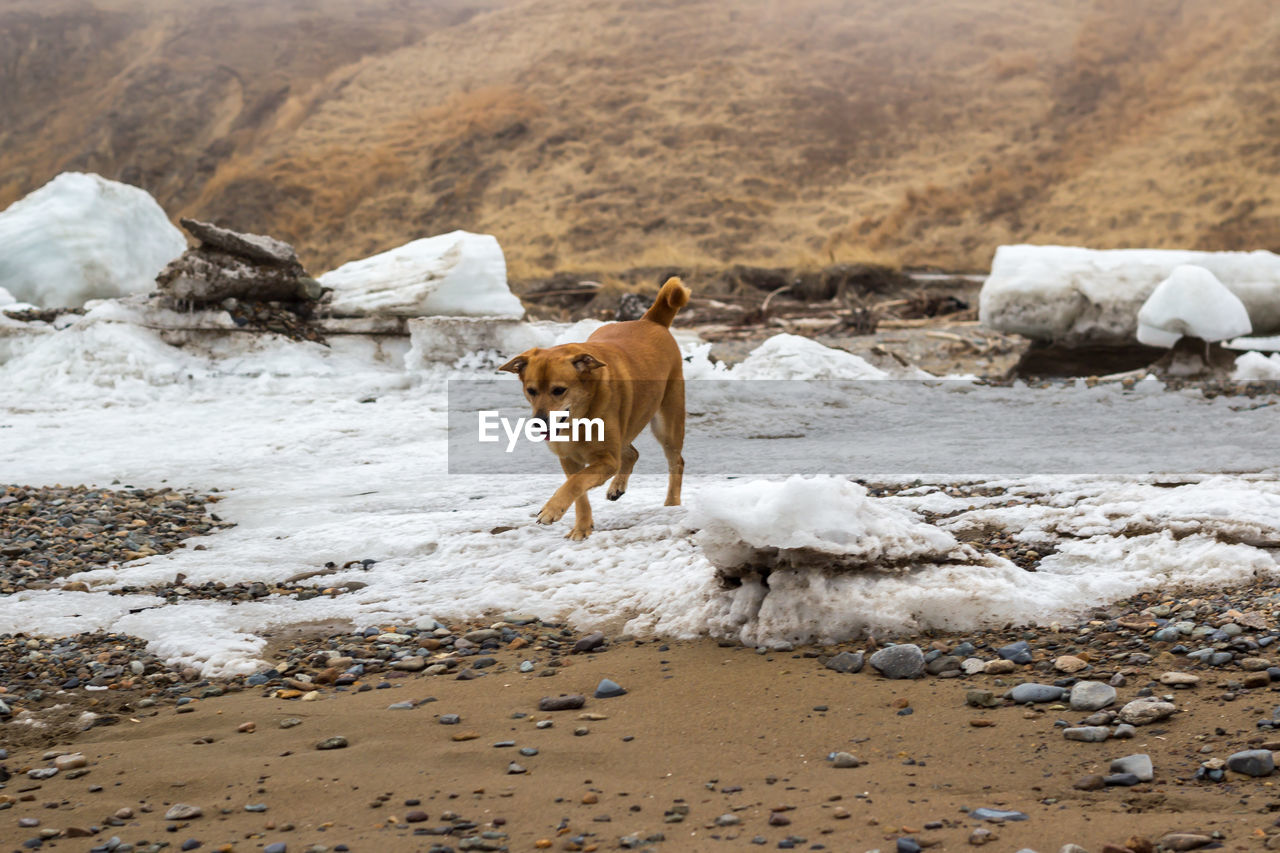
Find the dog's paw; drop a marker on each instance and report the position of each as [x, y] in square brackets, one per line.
[551, 514]
[577, 534]
[614, 494]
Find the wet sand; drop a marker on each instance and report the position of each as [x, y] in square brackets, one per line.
[709, 729]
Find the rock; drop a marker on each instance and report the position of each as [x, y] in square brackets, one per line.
[1072, 848]
[571, 702]
[728, 819]
[70, 762]
[608, 689]
[981, 836]
[1177, 841]
[1179, 679]
[1087, 734]
[1139, 765]
[230, 265]
[1032, 692]
[415, 816]
[1142, 712]
[1252, 762]
[1070, 663]
[981, 699]
[1019, 652]
[1124, 731]
[1127, 780]
[413, 663]
[900, 661]
[277, 847]
[943, 664]
[1092, 782]
[182, 811]
[336, 742]
[846, 662]
[1091, 695]
[1255, 664]
[999, 667]
[845, 759]
[973, 666]
[996, 815]
[589, 643]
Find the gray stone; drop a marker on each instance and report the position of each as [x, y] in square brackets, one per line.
[1019, 652]
[1252, 762]
[1142, 712]
[607, 689]
[1124, 731]
[336, 742]
[845, 759]
[945, 663]
[1179, 841]
[846, 662]
[1032, 692]
[571, 702]
[182, 811]
[973, 666]
[1139, 765]
[1091, 695]
[1087, 734]
[901, 661]
[413, 663]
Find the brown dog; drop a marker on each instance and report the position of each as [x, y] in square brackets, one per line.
[627, 375]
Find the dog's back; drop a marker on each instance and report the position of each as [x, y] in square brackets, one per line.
[646, 345]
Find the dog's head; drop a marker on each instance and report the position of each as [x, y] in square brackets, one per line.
[559, 379]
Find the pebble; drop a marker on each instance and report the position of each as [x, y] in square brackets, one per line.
[1142, 712]
[589, 643]
[999, 667]
[1091, 695]
[1019, 652]
[845, 759]
[1087, 734]
[1252, 762]
[278, 847]
[336, 742]
[570, 702]
[71, 761]
[1139, 765]
[1179, 841]
[850, 662]
[1179, 679]
[973, 666]
[901, 661]
[1032, 692]
[1070, 663]
[996, 815]
[450, 719]
[182, 811]
[607, 689]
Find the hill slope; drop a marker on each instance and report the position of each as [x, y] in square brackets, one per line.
[593, 135]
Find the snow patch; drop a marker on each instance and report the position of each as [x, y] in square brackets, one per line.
[826, 521]
[82, 237]
[458, 273]
[1191, 301]
[1078, 295]
[794, 357]
[1256, 367]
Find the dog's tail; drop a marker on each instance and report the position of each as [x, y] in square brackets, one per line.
[671, 298]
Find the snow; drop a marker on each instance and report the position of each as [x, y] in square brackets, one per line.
[794, 357]
[1254, 366]
[6, 298]
[1077, 295]
[82, 237]
[1191, 301]
[458, 273]
[806, 520]
[334, 455]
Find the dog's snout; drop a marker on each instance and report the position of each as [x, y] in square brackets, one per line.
[541, 422]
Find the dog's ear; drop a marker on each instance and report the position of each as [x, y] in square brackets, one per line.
[517, 364]
[586, 362]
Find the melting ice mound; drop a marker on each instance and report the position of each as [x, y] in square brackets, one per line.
[1087, 296]
[458, 273]
[82, 237]
[810, 521]
[1191, 301]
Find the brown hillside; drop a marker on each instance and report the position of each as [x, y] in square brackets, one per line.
[593, 135]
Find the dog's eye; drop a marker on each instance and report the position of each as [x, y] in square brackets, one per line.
[558, 392]
[533, 392]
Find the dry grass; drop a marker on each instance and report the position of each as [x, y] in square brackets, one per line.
[606, 135]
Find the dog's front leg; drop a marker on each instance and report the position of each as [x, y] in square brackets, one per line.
[574, 491]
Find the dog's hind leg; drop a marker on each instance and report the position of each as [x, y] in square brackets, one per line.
[618, 487]
[668, 428]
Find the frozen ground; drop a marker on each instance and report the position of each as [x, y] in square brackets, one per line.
[334, 456]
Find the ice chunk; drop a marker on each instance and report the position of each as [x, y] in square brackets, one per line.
[82, 237]
[1254, 366]
[458, 273]
[809, 520]
[794, 357]
[6, 298]
[1086, 296]
[437, 340]
[1191, 301]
